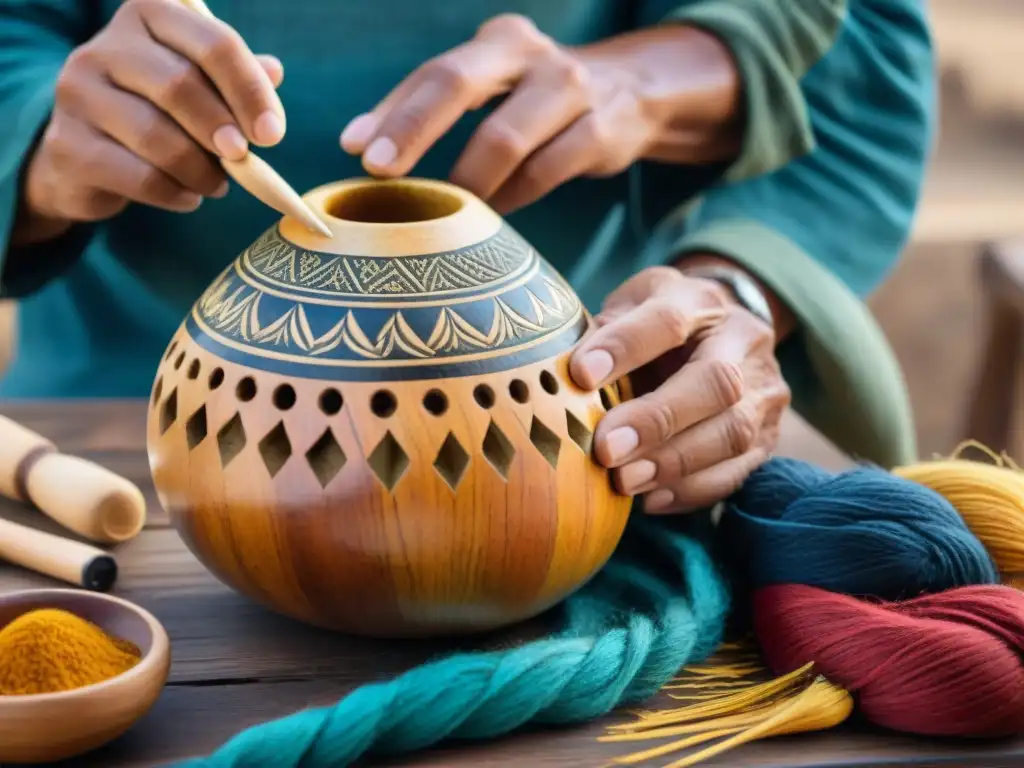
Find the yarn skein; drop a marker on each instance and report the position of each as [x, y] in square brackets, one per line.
[861, 532]
[945, 664]
[627, 632]
[989, 497]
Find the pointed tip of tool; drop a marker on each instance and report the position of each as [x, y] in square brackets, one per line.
[320, 228]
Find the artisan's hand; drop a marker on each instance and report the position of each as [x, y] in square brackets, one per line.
[668, 93]
[140, 111]
[710, 394]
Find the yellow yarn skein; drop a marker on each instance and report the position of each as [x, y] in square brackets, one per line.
[989, 497]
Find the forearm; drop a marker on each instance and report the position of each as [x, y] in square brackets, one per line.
[35, 38]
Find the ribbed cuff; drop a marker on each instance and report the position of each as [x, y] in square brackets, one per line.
[845, 379]
[774, 45]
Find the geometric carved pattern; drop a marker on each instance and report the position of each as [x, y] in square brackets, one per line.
[452, 461]
[279, 303]
[545, 441]
[278, 261]
[234, 308]
[388, 461]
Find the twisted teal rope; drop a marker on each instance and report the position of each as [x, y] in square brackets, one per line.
[659, 604]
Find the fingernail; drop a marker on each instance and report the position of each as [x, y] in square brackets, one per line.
[230, 143]
[221, 191]
[189, 202]
[597, 366]
[637, 474]
[658, 500]
[620, 443]
[268, 129]
[381, 153]
[357, 133]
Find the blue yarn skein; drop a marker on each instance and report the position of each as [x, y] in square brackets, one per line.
[627, 633]
[863, 532]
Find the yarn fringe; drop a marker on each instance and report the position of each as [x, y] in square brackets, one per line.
[736, 709]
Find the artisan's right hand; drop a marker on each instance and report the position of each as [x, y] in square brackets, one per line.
[140, 111]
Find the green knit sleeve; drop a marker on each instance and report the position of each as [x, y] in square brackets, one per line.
[36, 37]
[774, 44]
[824, 230]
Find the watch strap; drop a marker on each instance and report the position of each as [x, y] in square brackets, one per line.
[743, 287]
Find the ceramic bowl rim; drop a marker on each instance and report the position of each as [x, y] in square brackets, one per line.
[157, 655]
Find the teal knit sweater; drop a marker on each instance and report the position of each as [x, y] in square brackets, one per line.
[839, 97]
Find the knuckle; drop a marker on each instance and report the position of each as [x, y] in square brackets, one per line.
[592, 131]
[449, 74]
[513, 24]
[180, 86]
[152, 183]
[741, 430]
[501, 138]
[661, 419]
[570, 73]
[725, 382]
[672, 320]
[224, 47]
[677, 462]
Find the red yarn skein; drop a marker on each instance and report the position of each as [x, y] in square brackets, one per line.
[945, 664]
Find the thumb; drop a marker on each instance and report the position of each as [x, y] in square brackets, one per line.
[273, 67]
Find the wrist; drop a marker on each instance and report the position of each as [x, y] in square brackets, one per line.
[743, 288]
[32, 222]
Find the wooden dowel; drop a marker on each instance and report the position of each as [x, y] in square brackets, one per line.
[82, 496]
[60, 558]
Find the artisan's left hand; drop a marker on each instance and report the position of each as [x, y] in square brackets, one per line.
[668, 93]
[710, 393]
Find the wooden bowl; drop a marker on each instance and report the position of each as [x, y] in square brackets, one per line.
[377, 432]
[56, 726]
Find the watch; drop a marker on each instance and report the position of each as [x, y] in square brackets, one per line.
[741, 285]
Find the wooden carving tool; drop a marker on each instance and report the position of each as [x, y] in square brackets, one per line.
[82, 496]
[60, 558]
[262, 181]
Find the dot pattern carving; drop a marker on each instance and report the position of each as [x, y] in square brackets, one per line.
[388, 459]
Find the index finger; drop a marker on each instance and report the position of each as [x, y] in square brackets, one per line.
[223, 56]
[432, 99]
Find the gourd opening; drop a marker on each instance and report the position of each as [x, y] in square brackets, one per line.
[392, 203]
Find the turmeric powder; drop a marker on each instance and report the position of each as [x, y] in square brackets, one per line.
[51, 650]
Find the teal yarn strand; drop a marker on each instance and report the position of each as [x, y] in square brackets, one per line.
[659, 604]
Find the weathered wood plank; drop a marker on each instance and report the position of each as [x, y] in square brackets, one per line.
[189, 721]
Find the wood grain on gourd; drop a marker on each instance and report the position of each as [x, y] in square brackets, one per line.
[422, 506]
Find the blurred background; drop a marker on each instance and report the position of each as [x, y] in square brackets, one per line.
[954, 308]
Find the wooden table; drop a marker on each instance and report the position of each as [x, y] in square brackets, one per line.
[236, 664]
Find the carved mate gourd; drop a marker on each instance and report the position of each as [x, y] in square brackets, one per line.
[376, 432]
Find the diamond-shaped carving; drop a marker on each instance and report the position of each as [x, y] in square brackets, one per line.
[326, 458]
[275, 448]
[169, 411]
[388, 461]
[498, 450]
[451, 461]
[579, 432]
[231, 440]
[195, 428]
[545, 441]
